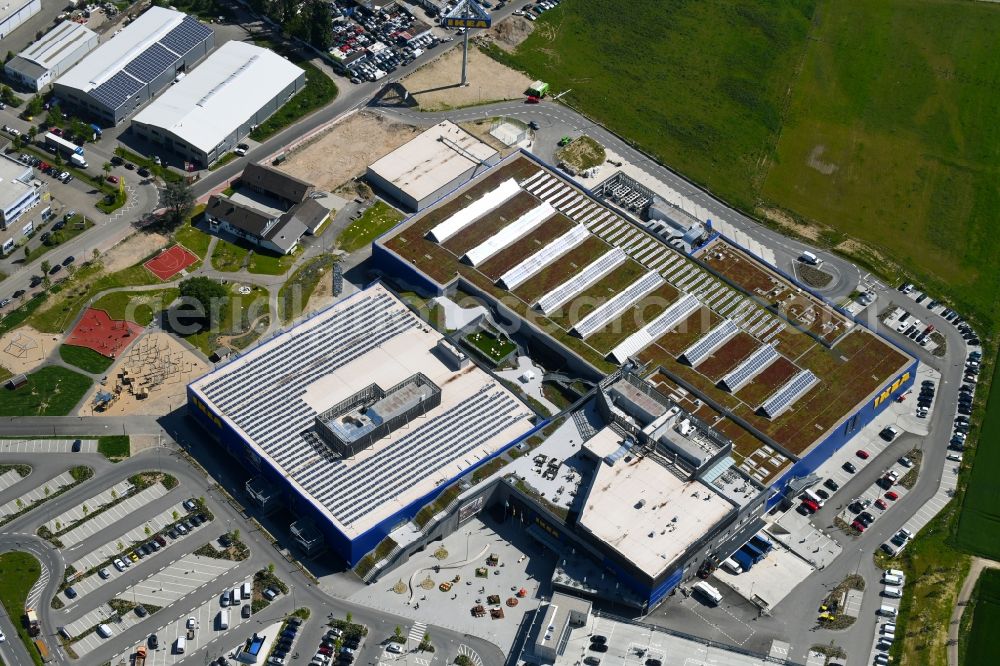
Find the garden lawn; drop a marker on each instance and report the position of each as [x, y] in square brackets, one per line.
[234, 318]
[138, 306]
[228, 257]
[265, 263]
[114, 447]
[50, 391]
[295, 293]
[192, 237]
[85, 358]
[378, 219]
[18, 572]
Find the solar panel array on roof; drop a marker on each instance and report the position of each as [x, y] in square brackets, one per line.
[754, 364]
[594, 271]
[539, 260]
[186, 36]
[113, 92]
[673, 315]
[709, 342]
[618, 303]
[793, 389]
[151, 63]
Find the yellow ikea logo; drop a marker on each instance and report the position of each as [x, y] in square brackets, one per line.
[212, 417]
[459, 22]
[891, 389]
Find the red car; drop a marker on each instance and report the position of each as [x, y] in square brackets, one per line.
[864, 455]
[892, 495]
[858, 525]
[113, 179]
[880, 503]
[810, 505]
[531, 99]
[56, 131]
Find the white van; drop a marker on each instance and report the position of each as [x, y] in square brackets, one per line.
[246, 590]
[895, 572]
[892, 592]
[814, 497]
[234, 597]
[888, 628]
[810, 258]
[890, 579]
[224, 619]
[104, 631]
[888, 611]
[732, 566]
[708, 592]
[179, 645]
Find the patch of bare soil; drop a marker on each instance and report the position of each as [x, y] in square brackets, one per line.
[436, 85]
[510, 33]
[816, 162]
[783, 219]
[342, 152]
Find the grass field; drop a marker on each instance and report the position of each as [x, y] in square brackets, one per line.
[887, 138]
[265, 263]
[50, 391]
[193, 238]
[114, 447]
[979, 523]
[701, 85]
[138, 306]
[318, 91]
[980, 647]
[85, 358]
[379, 218]
[234, 318]
[18, 572]
[294, 294]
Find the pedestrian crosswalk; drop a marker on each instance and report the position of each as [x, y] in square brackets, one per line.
[417, 631]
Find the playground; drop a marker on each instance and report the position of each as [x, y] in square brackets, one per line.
[149, 379]
[170, 262]
[97, 331]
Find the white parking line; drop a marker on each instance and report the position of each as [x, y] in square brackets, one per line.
[46, 445]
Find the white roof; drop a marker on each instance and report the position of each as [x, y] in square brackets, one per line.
[427, 163]
[647, 514]
[58, 43]
[12, 188]
[110, 57]
[233, 83]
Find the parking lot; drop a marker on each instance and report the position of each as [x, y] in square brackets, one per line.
[113, 515]
[135, 535]
[771, 579]
[46, 446]
[40, 492]
[178, 579]
[8, 479]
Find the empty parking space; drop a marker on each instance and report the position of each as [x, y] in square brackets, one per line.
[35, 495]
[180, 578]
[113, 516]
[8, 479]
[46, 446]
[89, 506]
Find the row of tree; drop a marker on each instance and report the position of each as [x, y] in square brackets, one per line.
[310, 21]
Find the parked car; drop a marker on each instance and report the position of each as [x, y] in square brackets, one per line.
[864, 455]
[892, 495]
[849, 467]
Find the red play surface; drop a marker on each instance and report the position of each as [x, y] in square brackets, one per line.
[171, 261]
[103, 334]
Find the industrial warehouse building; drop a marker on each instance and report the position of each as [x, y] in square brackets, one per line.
[58, 50]
[19, 192]
[204, 116]
[129, 69]
[15, 12]
[359, 416]
[423, 170]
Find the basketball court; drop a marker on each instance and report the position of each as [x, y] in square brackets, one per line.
[171, 261]
[107, 336]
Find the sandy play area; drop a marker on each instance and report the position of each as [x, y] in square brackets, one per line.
[157, 367]
[24, 349]
[132, 250]
[435, 85]
[342, 152]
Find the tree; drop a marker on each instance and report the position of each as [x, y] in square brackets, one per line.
[175, 515]
[236, 535]
[270, 568]
[398, 634]
[35, 106]
[320, 19]
[86, 510]
[205, 291]
[45, 266]
[27, 251]
[48, 491]
[33, 132]
[148, 530]
[179, 200]
[120, 546]
[107, 167]
[114, 494]
[349, 618]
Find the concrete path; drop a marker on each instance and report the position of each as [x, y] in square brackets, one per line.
[965, 594]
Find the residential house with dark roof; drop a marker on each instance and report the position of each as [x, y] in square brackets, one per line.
[268, 208]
